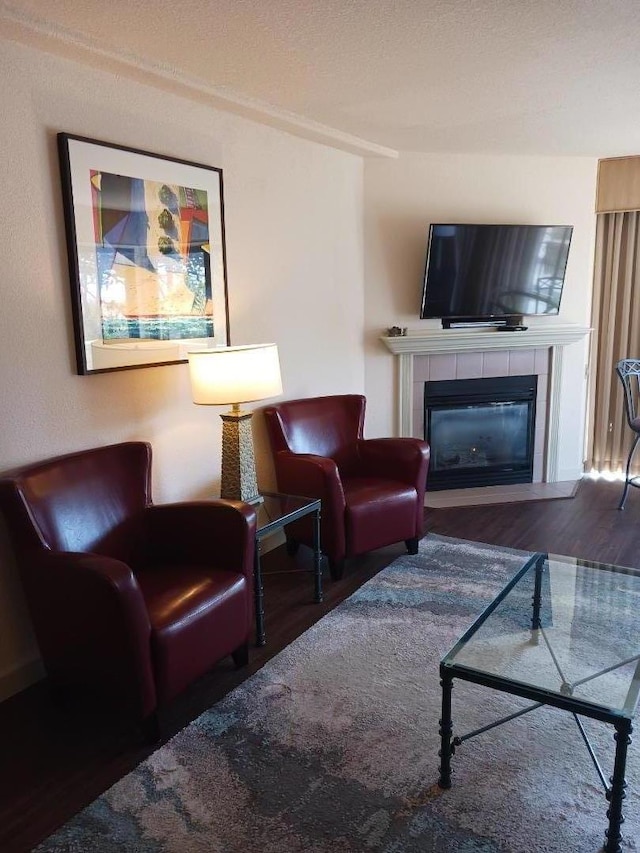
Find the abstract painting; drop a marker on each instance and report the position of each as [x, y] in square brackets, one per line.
[145, 238]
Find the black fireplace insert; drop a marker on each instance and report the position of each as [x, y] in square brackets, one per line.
[481, 431]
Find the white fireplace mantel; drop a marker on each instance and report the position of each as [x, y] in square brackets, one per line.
[482, 339]
[555, 336]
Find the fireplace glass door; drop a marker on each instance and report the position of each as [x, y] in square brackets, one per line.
[480, 431]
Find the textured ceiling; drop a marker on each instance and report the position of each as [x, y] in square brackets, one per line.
[487, 76]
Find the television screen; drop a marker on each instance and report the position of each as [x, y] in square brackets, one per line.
[485, 271]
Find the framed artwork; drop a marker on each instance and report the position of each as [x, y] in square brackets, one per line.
[145, 239]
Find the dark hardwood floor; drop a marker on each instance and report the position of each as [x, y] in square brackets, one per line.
[56, 758]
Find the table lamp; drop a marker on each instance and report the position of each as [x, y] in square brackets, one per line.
[230, 376]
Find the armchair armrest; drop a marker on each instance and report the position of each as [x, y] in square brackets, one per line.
[91, 620]
[404, 459]
[311, 476]
[220, 533]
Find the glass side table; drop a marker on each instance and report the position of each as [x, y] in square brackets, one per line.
[274, 513]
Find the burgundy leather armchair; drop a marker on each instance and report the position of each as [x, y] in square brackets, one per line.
[372, 490]
[134, 599]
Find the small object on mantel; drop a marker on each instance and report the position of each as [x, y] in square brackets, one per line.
[396, 331]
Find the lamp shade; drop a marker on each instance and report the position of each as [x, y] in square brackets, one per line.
[228, 375]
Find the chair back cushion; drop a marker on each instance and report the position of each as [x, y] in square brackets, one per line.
[88, 501]
[325, 426]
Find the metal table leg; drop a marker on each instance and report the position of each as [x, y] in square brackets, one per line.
[617, 793]
[317, 557]
[258, 596]
[537, 600]
[446, 729]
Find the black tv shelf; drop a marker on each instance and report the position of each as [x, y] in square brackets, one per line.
[509, 322]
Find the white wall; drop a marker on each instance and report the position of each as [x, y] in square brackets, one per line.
[294, 246]
[404, 196]
[296, 252]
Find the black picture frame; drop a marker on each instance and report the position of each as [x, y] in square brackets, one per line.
[147, 258]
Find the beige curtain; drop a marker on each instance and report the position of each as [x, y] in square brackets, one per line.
[616, 323]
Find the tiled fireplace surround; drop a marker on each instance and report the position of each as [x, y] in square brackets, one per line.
[483, 365]
[482, 353]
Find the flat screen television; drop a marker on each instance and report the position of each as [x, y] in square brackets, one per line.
[485, 272]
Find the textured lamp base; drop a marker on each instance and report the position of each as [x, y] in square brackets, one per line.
[238, 463]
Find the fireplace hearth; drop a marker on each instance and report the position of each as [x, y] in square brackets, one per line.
[481, 431]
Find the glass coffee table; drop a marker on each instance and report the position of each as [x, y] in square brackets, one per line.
[566, 633]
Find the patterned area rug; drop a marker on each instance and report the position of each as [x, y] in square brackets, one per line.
[333, 745]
